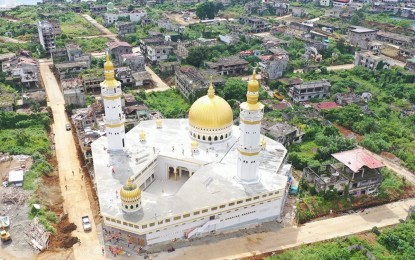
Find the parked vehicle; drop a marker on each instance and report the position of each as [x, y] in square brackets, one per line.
[68, 127]
[86, 223]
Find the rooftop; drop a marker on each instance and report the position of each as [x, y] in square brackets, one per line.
[212, 183]
[228, 61]
[113, 45]
[326, 105]
[359, 29]
[357, 158]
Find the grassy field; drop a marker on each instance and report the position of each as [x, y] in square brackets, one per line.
[93, 44]
[76, 25]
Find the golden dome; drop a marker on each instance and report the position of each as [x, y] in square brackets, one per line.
[210, 112]
[130, 191]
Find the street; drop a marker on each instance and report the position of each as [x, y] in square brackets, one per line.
[292, 236]
[76, 202]
[101, 28]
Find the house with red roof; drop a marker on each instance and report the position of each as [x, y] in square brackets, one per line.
[325, 105]
[355, 171]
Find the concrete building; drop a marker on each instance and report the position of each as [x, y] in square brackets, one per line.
[124, 28]
[341, 3]
[309, 90]
[356, 171]
[73, 91]
[325, 3]
[281, 132]
[135, 61]
[254, 25]
[229, 66]
[117, 49]
[395, 39]
[273, 65]
[372, 61]
[134, 16]
[24, 70]
[47, 31]
[157, 53]
[361, 36]
[240, 177]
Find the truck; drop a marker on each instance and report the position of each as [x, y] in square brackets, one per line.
[86, 223]
[278, 96]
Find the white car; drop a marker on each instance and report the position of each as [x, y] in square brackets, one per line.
[86, 223]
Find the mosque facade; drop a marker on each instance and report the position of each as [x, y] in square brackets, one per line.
[181, 178]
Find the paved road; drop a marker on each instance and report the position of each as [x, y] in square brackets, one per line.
[289, 237]
[101, 28]
[76, 202]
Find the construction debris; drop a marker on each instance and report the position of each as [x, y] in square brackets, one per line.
[37, 236]
[15, 196]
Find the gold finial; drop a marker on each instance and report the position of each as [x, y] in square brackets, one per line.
[211, 90]
[129, 183]
[254, 74]
[107, 56]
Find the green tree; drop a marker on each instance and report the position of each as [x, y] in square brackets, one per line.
[197, 55]
[235, 89]
[206, 10]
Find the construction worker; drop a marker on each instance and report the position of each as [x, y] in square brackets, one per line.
[73, 174]
[66, 187]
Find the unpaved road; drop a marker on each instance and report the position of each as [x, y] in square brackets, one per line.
[101, 28]
[289, 237]
[76, 202]
[160, 84]
[12, 40]
[341, 67]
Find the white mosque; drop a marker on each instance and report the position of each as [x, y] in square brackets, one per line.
[180, 178]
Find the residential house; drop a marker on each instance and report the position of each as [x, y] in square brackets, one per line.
[273, 66]
[281, 132]
[23, 70]
[157, 53]
[135, 61]
[325, 3]
[98, 9]
[137, 112]
[124, 28]
[361, 36]
[341, 3]
[410, 64]
[142, 79]
[47, 31]
[32, 97]
[168, 67]
[117, 49]
[344, 99]
[73, 91]
[328, 105]
[372, 61]
[124, 75]
[153, 41]
[69, 69]
[290, 82]
[298, 12]
[280, 8]
[395, 39]
[229, 66]
[308, 90]
[170, 26]
[192, 82]
[356, 172]
[92, 82]
[134, 16]
[229, 39]
[255, 25]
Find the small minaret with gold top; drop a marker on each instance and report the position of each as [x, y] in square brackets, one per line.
[114, 118]
[251, 114]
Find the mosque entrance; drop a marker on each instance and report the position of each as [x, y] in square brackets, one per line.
[184, 172]
[170, 173]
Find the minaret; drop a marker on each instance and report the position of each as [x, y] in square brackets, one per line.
[114, 117]
[251, 113]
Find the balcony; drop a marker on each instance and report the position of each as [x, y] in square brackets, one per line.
[114, 121]
[111, 92]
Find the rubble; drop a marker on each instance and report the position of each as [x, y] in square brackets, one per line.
[37, 236]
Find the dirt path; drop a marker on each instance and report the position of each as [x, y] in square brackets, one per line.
[12, 40]
[160, 84]
[101, 28]
[76, 202]
[289, 237]
[341, 67]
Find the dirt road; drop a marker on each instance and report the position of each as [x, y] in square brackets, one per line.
[341, 67]
[76, 202]
[289, 237]
[160, 84]
[12, 40]
[101, 28]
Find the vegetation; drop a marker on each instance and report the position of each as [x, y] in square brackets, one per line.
[208, 9]
[45, 216]
[170, 103]
[73, 24]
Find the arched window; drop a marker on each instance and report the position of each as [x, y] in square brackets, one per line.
[126, 207]
[216, 138]
[209, 138]
[131, 207]
[204, 138]
[221, 137]
[198, 137]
